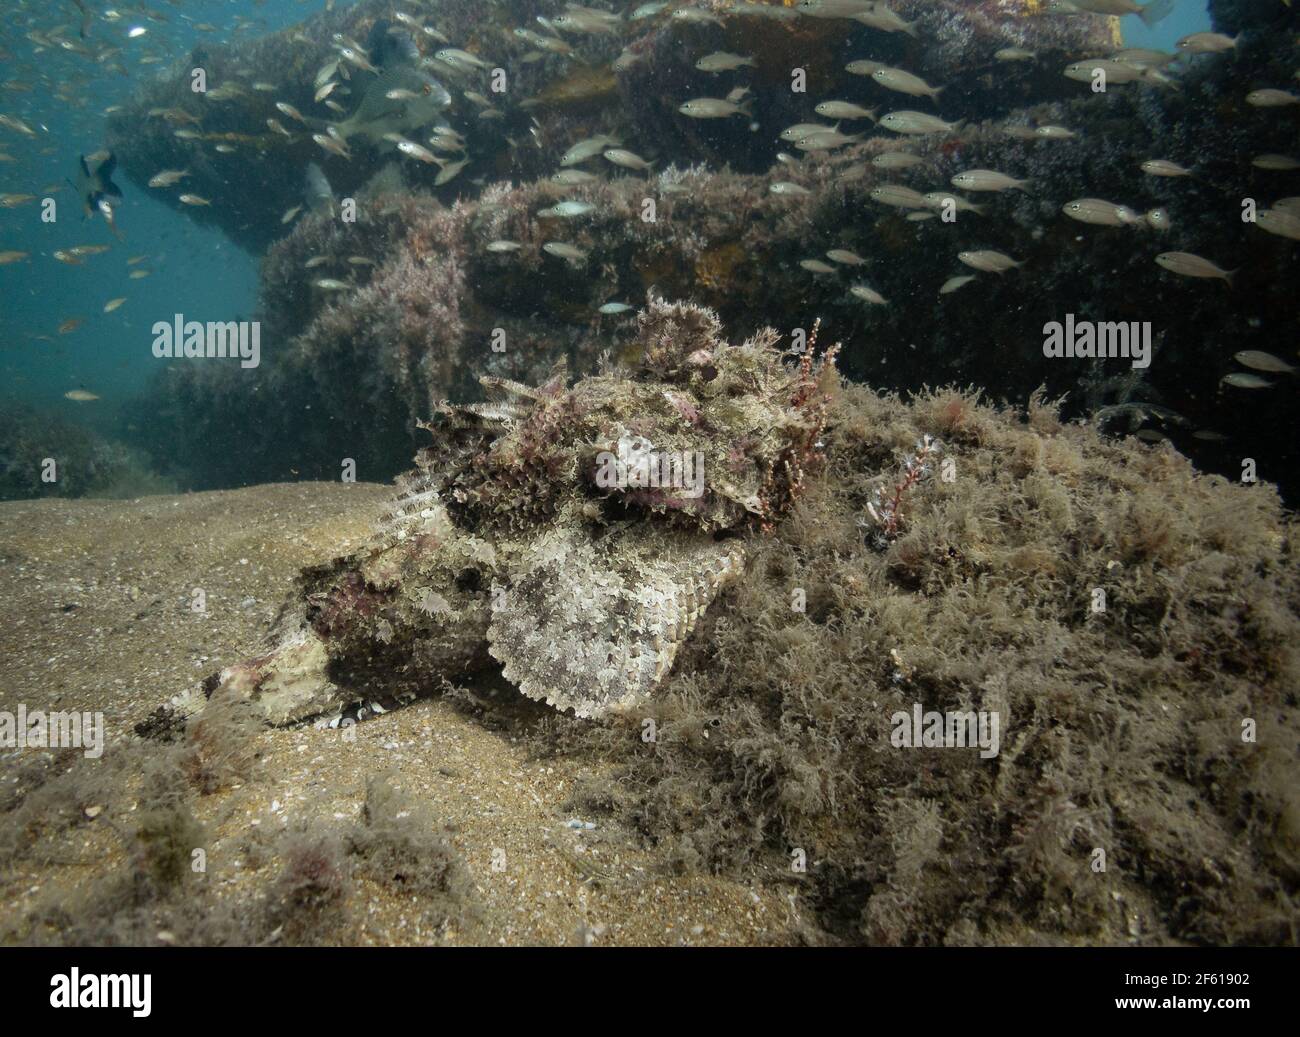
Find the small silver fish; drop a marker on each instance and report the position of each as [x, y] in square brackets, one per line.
[987, 180]
[573, 177]
[896, 160]
[953, 283]
[711, 108]
[867, 294]
[564, 250]
[843, 110]
[1100, 212]
[1206, 43]
[502, 245]
[786, 188]
[989, 261]
[568, 209]
[626, 159]
[1261, 361]
[905, 82]
[1160, 167]
[332, 145]
[845, 256]
[1189, 265]
[898, 196]
[864, 67]
[917, 123]
[1275, 163]
[816, 266]
[723, 61]
[1245, 380]
[417, 151]
[1283, 223]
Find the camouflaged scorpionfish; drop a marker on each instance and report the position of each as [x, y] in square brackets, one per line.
[573, 535]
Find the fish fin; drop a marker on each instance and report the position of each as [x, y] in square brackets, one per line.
[85, 169]
[1156, 11]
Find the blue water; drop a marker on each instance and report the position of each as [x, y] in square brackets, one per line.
[1188, 16]
[193, 270]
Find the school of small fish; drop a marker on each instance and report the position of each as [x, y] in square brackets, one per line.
[388, 91]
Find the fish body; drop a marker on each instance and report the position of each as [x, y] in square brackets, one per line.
[845, 257]
[94, 185]
[1161, 167]
[868, 294]
[987, 180]
[988, 261]
[626, 159]
[1258, 360]
[905, 83]
[1270, 98]
[899, 196]
[711, 108]
[917, 123]
[1100, 212]
[896, 160]
[563, 250]
[168, 177]
[723, 61]
[1206, 43]
[843, 110]
[568, 209]
[1246, 380]
[1188, 264]
[1283, 223]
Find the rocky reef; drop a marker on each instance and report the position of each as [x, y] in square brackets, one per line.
[1124, 627]
[438, 282]
[553, 93]
[44, 456]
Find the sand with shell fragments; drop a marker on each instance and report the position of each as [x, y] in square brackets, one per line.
[97, 614]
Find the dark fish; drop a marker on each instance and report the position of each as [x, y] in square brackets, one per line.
[95, 185]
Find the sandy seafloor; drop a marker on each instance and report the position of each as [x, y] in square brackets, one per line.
[95, 616]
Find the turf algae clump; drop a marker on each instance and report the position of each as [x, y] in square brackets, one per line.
[1122, 713]
[574, 536]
